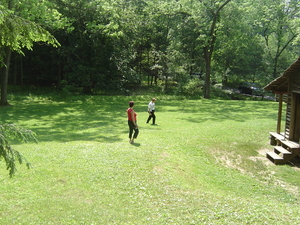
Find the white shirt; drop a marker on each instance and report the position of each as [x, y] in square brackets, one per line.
[151, 106]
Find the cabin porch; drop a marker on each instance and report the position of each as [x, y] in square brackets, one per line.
[287, 88]
[284, 150]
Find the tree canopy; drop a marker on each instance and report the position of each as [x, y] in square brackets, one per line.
[17, 33]
[114, 44]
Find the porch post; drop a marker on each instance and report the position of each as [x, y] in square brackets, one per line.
[279, 113]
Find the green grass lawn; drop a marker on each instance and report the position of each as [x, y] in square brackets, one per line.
[204, 163]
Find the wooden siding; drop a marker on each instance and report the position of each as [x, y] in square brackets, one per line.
[288, 117]
[291, 132]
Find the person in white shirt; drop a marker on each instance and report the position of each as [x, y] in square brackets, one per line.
[151, 111]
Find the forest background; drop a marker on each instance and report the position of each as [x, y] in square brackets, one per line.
[110, 46]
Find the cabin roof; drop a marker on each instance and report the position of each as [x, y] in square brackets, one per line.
[280, 84]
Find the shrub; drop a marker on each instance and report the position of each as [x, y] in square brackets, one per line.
[193, 87]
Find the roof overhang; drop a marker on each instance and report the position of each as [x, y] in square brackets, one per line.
[280, 84]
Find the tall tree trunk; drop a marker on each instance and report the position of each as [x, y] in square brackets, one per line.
[15, 71]
[4, 80]
[207, 57]
[278, 54]
[5, 69]
[275, 66]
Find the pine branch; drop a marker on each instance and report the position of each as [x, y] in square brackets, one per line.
[10, 156]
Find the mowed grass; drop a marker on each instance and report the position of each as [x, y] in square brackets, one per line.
[204, 163]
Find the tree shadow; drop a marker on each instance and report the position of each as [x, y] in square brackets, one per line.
[104, 119]
[70, 121]
[221, 110]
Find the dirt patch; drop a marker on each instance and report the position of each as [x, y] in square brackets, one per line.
[262, 157]
[231, 160]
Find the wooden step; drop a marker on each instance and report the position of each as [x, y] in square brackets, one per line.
[277, 136]
[276, 159]
[290, 144]
[282, 150]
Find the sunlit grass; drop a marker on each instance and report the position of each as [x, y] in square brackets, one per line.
[195, 167]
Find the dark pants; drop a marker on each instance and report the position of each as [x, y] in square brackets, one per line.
[151, 115]
[131, 129]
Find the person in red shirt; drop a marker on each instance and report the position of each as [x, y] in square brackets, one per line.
[132, 123]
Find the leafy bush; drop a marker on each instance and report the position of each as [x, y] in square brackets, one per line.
[193, 87]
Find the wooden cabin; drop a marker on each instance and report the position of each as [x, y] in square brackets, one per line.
[286, 142]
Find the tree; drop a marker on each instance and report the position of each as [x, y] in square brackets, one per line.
[112, 44]
[17, 33]
[276, 23]
[10, 156]
[208, 18]
[210, 36]
[239, 53]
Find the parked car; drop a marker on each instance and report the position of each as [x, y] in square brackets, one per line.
[197, 75]
[250, 88]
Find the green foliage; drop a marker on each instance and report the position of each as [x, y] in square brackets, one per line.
[193, 87]
[110, 45]
[11, 156]
[17, 32]
[274, 22]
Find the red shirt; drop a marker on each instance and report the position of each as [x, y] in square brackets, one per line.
[129, 110]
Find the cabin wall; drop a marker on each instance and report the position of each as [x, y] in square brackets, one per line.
[294, 82]
[292, 111]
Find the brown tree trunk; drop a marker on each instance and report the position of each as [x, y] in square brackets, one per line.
[21, 71]
[4, 77]
[5, 70]
[207, 74]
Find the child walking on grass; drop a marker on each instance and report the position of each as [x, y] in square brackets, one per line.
[151, 111]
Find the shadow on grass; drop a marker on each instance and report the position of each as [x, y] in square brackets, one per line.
[63, 122]
[220, 110]
[104, 119]
[295, 162]
[136, 144]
